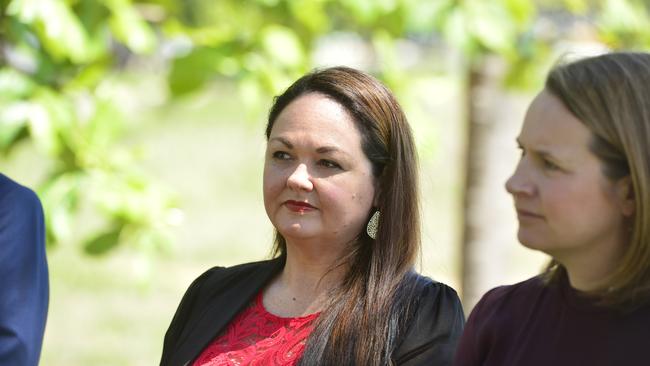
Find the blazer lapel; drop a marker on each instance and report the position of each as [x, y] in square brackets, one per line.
[223, 307]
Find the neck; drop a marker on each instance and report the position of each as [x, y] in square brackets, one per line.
[588, 270]
[588, 277]
[305, 283]
[309, 268]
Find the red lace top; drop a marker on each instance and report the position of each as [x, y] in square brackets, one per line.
[257, 337]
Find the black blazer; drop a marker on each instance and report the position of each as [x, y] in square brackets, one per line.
[219, 294]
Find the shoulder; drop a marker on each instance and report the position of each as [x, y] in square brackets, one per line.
[434, 327]
[22, 224]
[506, 306]
[498, 311]
[220, 292]
[241, 270]
[436, 299]
[15, 197]
[515, 295]
[216, 279]
[533, 284]
[438, 311]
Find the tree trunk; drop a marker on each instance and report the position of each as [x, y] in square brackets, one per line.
[493, 120]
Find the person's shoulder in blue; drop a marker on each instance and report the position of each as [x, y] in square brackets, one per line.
[24, 288]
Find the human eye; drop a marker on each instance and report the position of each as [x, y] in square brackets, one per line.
[329, 164]
[281, 155]
[549, 165]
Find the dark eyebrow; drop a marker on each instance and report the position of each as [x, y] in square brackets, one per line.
[328, 149]
[284, 141]
[321, 150]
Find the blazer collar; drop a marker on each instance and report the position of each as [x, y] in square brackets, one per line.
[223, 307]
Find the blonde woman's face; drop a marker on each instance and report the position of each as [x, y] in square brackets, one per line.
[318, 183]
[566, 207]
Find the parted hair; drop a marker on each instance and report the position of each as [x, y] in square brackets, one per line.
[367, 312]
[610, 95]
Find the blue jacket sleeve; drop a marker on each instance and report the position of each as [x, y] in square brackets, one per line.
[24, 288]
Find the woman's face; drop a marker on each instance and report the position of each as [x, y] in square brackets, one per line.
[318, 183]
[565, 205]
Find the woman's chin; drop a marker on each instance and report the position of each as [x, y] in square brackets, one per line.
[296, 231]
[530, 242]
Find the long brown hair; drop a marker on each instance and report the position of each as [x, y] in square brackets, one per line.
[367, 312]
[610, 95]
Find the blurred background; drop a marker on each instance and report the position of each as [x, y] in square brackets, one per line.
[140, 125]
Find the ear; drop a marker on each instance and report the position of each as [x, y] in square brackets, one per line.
[625, 196]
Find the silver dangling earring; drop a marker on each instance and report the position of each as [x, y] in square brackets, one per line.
[373, 224]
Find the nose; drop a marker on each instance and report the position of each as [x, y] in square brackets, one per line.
[520, 183]
[300, 180]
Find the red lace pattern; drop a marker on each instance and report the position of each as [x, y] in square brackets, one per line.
[257, 337]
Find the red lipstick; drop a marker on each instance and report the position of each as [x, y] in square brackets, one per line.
[297, 206]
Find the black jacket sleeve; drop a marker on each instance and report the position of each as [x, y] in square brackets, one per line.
[189, 304]
[434, 331]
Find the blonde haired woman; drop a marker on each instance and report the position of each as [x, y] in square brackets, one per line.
[582, 195]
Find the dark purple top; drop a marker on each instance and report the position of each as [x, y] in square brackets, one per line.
[531, 324]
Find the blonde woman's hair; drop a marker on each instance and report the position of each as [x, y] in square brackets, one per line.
[610, 94]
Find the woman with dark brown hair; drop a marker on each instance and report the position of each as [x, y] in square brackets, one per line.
[582, 195]
[340, 188]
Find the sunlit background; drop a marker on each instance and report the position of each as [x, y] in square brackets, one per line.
[140, 125]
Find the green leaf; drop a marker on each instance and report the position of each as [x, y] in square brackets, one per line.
[42, 129]
[60, 195]
[49, 114]
[14, 84]
[363, 11]
[577, 6]
[59, 29]
[529, 72]
[311, 13]
[251, 93]
[423, 16]
[13, 122]
[192, 71]
[102, 243]
[492, 25]
[282, 45]
[522, 12]
[456, 32]
[625, 24]
[88, 77]
[384, 45]
[129, 27]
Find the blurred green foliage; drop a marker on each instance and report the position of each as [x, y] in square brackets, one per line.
[62, 64]
[58, 80]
